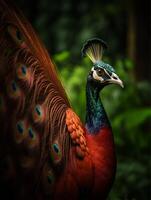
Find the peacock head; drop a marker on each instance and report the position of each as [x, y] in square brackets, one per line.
[101, 74]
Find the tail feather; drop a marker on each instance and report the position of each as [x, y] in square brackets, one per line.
[32, 98]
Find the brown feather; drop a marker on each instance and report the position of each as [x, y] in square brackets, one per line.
[12, 15]
[42, 87]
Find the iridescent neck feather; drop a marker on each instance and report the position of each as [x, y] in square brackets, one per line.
[96, 117]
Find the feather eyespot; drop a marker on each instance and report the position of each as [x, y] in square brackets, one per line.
[56, 148]
[14, 86]
[23, 69]
[13, 90]
[33, 139]
[56, 153]
[20, 127]
[15, 34]
[38, 114]
[22, 72]
[20, 131]
[50, 178]
[38, 110]
[31, 133]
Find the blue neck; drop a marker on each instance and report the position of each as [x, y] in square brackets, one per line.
[96, 117]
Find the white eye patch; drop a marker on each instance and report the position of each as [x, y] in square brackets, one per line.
[95, 76]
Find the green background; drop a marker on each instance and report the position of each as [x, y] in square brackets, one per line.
[64, 26]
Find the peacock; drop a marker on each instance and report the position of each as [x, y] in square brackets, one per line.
[45, 150]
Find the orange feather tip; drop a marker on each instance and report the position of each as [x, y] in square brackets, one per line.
[76, 133]
[79, 152]
[73, 135]
[82, 141]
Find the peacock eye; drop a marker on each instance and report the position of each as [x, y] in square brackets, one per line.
[50, 179]
[14, 86]
[13, 90]
[23, 69]
[15, 34]
[56, 148]
[22, 72]
[31, 133]
[20, 127]
[38, 110]
[56, 154]
[38, 114]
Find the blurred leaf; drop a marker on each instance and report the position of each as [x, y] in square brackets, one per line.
[62, 56]
[133, 118]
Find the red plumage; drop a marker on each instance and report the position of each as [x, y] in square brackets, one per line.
[45, 151]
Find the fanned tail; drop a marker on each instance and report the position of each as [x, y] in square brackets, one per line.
[11, 15]
[33, 100]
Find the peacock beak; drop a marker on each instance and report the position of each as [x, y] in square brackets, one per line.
[116, 80]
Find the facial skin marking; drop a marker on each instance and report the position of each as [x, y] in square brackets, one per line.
[102, 78]
[95, 76]
[106, 77]
[114, 76]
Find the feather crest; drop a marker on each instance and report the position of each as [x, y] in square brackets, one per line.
[93, 48]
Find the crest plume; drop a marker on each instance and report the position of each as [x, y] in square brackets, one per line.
[93, 48]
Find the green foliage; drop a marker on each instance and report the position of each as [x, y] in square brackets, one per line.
[129, 117]
[74, 79]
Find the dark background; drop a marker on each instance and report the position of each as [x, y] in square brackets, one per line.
[64, 26]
